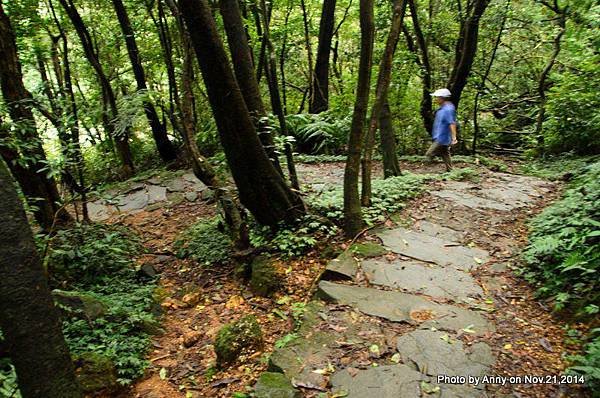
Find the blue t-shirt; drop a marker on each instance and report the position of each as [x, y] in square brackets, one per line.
[444, 117]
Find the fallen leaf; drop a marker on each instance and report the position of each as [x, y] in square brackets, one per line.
[396, 358]
[507, 346]
[162, 373]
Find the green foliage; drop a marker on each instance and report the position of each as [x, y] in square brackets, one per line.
[205, 242]
[8, 379]
[563, 256]
[554, 168]
[285, 340]
[98, 260]
[389, 196]
[462, 174]
[236, 338]
[588, 363]
[322, 133]
[90, 253]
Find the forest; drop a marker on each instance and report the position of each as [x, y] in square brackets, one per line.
[299, 198]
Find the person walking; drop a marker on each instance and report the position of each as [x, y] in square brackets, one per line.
[444, 128]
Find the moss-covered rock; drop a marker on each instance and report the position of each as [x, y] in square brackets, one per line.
[368, 249]
[236, 338]
[78, 304]
[95, 372]
[265, 279]
[275, 385]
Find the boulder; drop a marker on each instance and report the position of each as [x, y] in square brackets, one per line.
[265, 279]
[275, 385]
[77, 304]
[95, 372]
[236, 338]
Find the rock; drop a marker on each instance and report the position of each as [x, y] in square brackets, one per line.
[154, 180]
[434, 353]
[133, 201]
[265, 279]
[391, 381]
[344, 266]
[191, 338]
[147, 271]
[151, 326]
[438, 231]
[77, 304]
[98, 211]
[175, 198]
[403, 307]
[275, 385]
[368, 249]
[189, 177]
[427, 248]
[175, 185]
[191, 196]
[417, 277]
[236, 338]
[156, 194]
[474, 202]
[95, 372]
[208, 195]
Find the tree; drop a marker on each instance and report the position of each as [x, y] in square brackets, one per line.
[466, 48]
[243, 67]
[29, 166]
[383, 83]
[165, 147]
[261, 188]
[28, 318]
[352, 212]
[319, 101]
[121, 138]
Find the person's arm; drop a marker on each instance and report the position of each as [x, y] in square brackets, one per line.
[453, 131]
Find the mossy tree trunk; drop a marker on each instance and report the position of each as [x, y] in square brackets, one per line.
[28, 318]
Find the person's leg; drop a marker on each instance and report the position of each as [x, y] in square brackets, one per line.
[432, 151]
[445, 153]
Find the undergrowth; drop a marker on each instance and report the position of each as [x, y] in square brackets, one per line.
[205, 241]
[563, 258]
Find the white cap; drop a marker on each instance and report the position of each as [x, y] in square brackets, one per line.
[442, 92]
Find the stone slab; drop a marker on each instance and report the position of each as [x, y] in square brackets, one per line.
[390, 381]
[434, 353]
[438, 231]
[427, 248]
[344, 266]
[404, 307]
[156, 193]
[417, 277]
[134, 201]
[472, 201]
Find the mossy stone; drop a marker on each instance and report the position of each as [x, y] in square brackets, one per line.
[236, 338]
[368, 249]
[275, 385]
[265, 278]
[95, 372]
[78, 304]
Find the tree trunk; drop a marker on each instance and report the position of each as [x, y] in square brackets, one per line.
[466, 49]
[391, 166]
[28, 318]
[424, 64]
[383, 83]
[121, 139]
[320, 95]
[38, 187]
[243, 67]
[353, 221]
[165, 147]
[306, 25]
[271, 72]
[261, 188]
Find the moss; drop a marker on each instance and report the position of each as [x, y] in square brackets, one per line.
[368, 249]
[275, 385]
[265, 279]
[95, 372]
[77, 304]
[236, 338]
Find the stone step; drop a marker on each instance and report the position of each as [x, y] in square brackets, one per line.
[421, 246]
[404, 307]
[418, 277]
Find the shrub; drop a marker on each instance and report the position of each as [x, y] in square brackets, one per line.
[588, 364]
[205, 242]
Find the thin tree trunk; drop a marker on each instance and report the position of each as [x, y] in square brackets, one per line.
[383, 83]
[484, 77]
[28, 319]
[165, 147]
[425, 65]
[353, 221]
[271, 72]
[320, 95]
[244, 72]
[391, 166]
[466, 49]
[40, 189]
[261, 188]
[307, 45]
[121, 139]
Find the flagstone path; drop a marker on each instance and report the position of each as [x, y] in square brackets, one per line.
[416, 303]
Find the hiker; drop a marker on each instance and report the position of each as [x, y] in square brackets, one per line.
[444, 128]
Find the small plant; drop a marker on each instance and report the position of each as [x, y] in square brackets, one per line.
[204, 242]
[588, 363]
[463, 174]
[285, 340]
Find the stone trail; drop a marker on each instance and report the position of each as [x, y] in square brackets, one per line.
[409, 304]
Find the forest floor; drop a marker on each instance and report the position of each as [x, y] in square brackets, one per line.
[437, 296]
